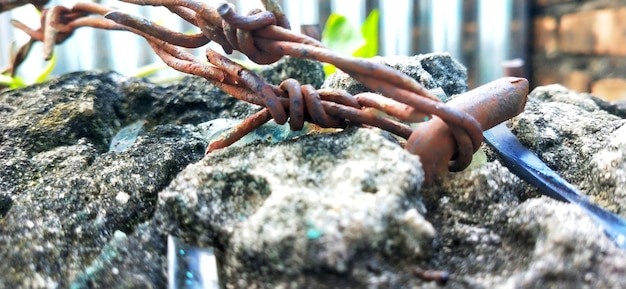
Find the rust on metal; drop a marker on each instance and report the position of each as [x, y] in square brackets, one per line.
[447, 134]
[489, 104]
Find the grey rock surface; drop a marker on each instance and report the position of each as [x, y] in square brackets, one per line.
[63, 195]
[303, 70]
[340, 210]
[432, 70]
[311, 208]
[576, 137]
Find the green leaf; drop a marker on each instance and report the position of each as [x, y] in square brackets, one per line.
[340, 36]
[150, 69]
[11, 82]
[369, 32]
[329, 69]
[48, 70]
[5, 80]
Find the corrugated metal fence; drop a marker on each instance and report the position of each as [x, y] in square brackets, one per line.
[479, 33]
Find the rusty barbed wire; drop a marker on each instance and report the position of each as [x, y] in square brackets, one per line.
[6, 5]
[264, 37]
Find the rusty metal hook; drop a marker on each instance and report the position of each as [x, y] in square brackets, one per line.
[490, 104]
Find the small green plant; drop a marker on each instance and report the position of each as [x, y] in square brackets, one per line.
[341, 37]
[13, 82]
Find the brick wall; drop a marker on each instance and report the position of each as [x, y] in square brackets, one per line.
[580, 44]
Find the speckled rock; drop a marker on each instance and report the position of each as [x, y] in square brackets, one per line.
[291, 214]
[565, 253]
[357, 202]
[333, 198]
[63, 196]
[59, 220]
[576, 137]
[494, 231]
[339, 210]
[303, 70]
[433, 70]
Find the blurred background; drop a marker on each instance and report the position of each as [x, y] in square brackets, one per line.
[580, 44]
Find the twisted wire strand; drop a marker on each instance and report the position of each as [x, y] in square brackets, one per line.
[264, 37]
[326, 108]
[466, 130]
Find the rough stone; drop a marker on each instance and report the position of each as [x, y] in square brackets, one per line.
[339, 210]
[333, 199]
[573, 135]
[303, 70]
[62, 217]
[432, 70]
[493, 231]
[301, 211]
[565, 253]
